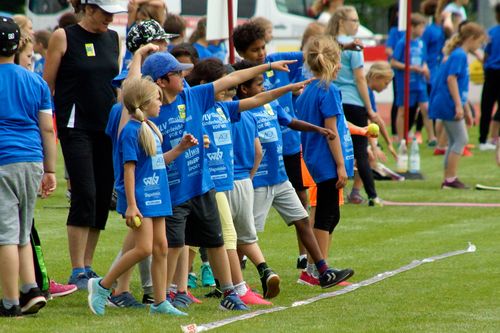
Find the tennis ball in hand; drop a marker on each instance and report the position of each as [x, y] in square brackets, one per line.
[372, 130]
[137, 221]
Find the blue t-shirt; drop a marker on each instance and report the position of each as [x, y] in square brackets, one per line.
[244, 133]
[394, 36]
[276, 79]
[272, 168]
[203, 52]
[434, 39]
[217, 123]
[23, 95]
[372, 99]
[151, 191]
[345, 81]
[316, 104]
[38, 66]
[188, 174]
[112, 131]
[218, 51]
[442, 105]
[418, 54]
[493, 49]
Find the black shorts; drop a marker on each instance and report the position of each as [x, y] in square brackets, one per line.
[294, 171]
[327, 207]
[195, 222]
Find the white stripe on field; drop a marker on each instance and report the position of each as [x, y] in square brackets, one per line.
[193, 328]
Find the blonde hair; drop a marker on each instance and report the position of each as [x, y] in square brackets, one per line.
[24, 41]
[380, 69]
[262, 21]
[340, 14]
[322, 55]
[22, 21]
[313, 29]
[466, 31]
[137, 94]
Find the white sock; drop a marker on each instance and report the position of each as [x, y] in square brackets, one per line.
[173, 288]
[241, 288]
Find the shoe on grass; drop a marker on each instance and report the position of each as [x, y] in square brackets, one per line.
[455, 184]
[375, 202]
[486, 146]
[148, 299]
[207, 277]
[215, 293]
[125, 300]
[32, 301]
[98, 296]
[192, 280]
[165, 308]
[270, 283]
[59, 290]
[332, 276]
[355, 198]
[301, 262]
[232, 302]
[307, 279]
[193, 298]
[181, 300]
[14, 311]
[250, 298]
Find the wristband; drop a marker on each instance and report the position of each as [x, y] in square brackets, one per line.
[270, 68]
[48, 171]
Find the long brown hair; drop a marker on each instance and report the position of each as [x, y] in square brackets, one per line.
[466, 31]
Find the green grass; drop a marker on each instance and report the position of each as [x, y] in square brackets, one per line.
[459, 294]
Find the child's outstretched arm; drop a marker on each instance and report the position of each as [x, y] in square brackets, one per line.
[336, 150]
[304, 126]
[235, 78]
[271, 95]
[186, 142]
[129, 180]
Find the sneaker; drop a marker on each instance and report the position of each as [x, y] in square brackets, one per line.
[91, 274]
[375, 202]
[181, 300]
[14, 311]
[355, 198]
[270, 283]
[250, 298]
[332, 277]
[301, 262]
[165, 308]
[486, 146]
[243, 262]
[32, 301]
[307, 279]
[148, 299]
[98, 296]
[59, 290]
[192, 280]
[467, 153]
[232, 302]
[215, 293]
[207, 277]
[124, 300]
[193, 298]
[456, 184]
[344, 284]
[432, 143]
[439, 151]
[80, 281]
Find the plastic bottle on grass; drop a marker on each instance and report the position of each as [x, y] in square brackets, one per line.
[402, 163]
[414, 157]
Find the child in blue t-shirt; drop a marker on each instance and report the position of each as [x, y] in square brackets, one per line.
[143, 197]
[450, 96]
[271, 185]
[418, 77]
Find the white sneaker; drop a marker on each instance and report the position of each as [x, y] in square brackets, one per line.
[486, 146]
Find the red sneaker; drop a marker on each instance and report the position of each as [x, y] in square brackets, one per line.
[59, 290]
[307, 279]
[194, 299]
[250, 298]
[439, 151]
[467, 152]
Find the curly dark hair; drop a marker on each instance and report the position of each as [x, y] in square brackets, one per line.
[244, 35]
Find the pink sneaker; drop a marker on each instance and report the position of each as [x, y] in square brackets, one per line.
[307, 279]
[58, 290]
[250, 298]
[194, 299]
[344, 283]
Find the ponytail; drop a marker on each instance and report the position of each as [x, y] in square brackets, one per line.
[466, 31]
[322, 57]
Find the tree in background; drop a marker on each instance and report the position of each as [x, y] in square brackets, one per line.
[12, 6]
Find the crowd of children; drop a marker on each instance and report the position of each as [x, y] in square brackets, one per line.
[201, 150]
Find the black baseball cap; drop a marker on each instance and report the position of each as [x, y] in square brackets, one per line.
[9, 36]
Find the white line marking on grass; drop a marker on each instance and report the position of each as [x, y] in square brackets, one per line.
[193, 328]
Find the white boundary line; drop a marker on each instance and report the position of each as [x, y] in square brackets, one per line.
[193, 328]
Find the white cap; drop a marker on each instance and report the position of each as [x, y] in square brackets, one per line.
[109, 6]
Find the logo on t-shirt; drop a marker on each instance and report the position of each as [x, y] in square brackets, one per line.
[182, 111]
[269, 109]
[222, 138]
[89, 48]
[268, 135]
[157, 162]
[221, 113]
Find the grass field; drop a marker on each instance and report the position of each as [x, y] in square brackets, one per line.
[459, 294]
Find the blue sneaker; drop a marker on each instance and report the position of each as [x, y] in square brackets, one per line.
[91, 274]
[207, 277]
[192, 280]
[98, 296]
[80, 281]
[332, 276]
[165, 308]
[232, 302]
[124, 300]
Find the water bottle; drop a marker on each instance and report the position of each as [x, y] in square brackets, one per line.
[402, 164]
[414, 157]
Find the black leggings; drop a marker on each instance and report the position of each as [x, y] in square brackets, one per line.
[490, 95]
[359, 117]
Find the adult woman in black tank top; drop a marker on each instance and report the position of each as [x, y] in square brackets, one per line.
[82, 60]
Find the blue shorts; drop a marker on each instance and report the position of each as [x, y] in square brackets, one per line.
[416, 96]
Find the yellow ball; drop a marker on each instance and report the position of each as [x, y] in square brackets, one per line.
[137, 221]
[372, 129]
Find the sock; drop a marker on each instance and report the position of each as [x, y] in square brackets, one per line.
[9, 303]
[321, 266]
[302, 256]
[173, 288]
[451, 179]
[227, 289]
[241, 288]
[261, 268]
[205, 263]
[25, 288]
[77, 271]
[88, 269]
